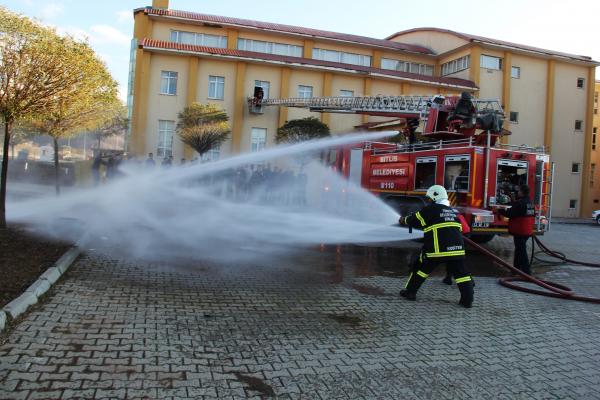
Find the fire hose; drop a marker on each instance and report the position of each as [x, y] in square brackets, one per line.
[552, 289]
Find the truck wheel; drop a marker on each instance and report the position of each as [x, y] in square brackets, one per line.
[482, 238]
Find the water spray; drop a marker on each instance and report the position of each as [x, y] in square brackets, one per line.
[196, 211]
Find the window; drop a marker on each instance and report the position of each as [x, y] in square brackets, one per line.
[265, 85]
[260, 46]
[572, 204]
[594, 140]
[576, 168]
[216, 87]
[425, 172]
[514, 117]
[515, 72]
[305, 92]
[578, 125]
[592, 173]
[199, 39]
[346, 93]
[259, 139]
[341, 57]
[212, 155]
[456, 173]
[580, 83]
[165, 138]
[491, 62]
[168, 82]
[404, 66]
[457, 65]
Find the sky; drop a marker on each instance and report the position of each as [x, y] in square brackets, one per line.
[567, 26]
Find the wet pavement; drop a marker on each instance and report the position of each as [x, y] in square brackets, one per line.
[323, 323]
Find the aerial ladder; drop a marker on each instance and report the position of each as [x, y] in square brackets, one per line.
[445, 117]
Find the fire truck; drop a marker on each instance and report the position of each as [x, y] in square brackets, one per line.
[460, 147]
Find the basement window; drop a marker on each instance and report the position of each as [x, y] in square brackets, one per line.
[514, 117]
[575, 168]
[572, 204]
[578, 125]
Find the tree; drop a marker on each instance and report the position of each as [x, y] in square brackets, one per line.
[116, 125]
[90, 102]
[21, 133]
[35, 71]
[300, 130]
[203, 126]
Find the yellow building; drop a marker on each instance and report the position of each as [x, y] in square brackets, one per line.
[181, 57]
[594, 182]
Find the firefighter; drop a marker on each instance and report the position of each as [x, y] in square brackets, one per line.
[443, 244]
[521, 216]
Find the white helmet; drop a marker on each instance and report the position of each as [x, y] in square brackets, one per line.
[437, 193]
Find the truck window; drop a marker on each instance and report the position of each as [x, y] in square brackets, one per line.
[511, 174]
[425, 172]
[456, 173]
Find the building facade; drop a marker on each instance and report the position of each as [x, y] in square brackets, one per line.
[594, 182]
[180, 57]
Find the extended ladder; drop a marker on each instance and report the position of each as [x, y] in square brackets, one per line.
[392, 106]
[405, 106]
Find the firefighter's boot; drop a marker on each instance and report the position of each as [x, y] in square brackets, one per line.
[415, 280]
[465, 285]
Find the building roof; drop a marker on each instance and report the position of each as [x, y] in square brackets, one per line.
[496, 42]
[288, 29]
[307, 62]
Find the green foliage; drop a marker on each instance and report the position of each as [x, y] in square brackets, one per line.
[55, 83]
[203, 126]
[300, 130]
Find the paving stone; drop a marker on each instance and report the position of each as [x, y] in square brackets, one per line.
[116, 329]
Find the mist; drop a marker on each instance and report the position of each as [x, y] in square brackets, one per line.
[252, 205]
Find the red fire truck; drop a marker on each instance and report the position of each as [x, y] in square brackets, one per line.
[460, 148]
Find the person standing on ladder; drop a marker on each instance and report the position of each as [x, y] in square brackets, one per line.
[443, 243]
[521, 215]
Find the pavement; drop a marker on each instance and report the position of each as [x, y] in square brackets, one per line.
[321, 326]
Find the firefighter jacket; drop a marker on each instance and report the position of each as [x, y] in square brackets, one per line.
[442, 231]
[521, 216]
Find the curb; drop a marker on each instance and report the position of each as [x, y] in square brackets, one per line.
[19, 305]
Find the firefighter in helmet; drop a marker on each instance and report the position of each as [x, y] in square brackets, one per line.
[443, 244]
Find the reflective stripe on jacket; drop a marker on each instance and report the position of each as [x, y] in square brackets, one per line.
[442, 231]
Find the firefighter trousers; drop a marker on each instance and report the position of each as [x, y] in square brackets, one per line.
[521, 259]
[423, 266]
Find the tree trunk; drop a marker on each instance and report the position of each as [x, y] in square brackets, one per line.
[56, 167]
[4, 175]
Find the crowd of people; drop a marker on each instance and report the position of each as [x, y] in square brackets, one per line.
[260, 182]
